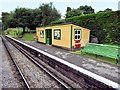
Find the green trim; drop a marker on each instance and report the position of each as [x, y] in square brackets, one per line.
[45, 36]
[48, 36]
[71, 37]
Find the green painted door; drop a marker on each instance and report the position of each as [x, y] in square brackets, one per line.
[49, 36]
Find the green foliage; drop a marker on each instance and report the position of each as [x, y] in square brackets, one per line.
[31, 18]
[68, 9]
[58, 22]
[49, 13]
[73, 12]
[106, 10]
[79, 11]
[86, 9]
[104, 25]
[28, 37]
[14, 32]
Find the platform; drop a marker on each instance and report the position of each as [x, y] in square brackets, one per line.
[103, 69]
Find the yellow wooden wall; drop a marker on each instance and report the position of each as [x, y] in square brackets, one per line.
[65, 40]
[38, 35]
[85, 35]
[65, 36]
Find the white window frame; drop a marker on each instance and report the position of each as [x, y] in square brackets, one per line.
[76, 34]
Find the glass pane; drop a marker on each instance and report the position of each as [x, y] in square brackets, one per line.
[78, 31]
[75, 31]
[76, 37]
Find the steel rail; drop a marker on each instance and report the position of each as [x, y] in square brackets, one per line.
[65, 85]
[16, 65]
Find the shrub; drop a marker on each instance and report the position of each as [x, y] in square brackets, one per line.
[104, 25]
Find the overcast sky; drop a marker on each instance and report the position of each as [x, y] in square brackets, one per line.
[61, 5]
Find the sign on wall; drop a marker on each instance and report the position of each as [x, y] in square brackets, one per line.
[57, 34]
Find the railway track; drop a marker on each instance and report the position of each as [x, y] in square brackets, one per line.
[11, 56]
[64, 85]
[86, 79]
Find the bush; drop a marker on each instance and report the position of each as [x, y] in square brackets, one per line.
[14, 32]
[104, 25]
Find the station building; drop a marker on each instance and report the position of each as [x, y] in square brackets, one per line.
[67, 36]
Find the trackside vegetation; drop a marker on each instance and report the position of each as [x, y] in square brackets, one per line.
[28, 37]
[104, 25]
[18, 33]
[14, 32]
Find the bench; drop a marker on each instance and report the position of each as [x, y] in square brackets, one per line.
[103, 50]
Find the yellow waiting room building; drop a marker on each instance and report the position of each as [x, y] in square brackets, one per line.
[67, 36]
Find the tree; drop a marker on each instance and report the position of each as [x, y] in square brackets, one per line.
[5, 20]
[106, 10]
[36, 18]
[49, 13]
[68, 9]
[31, 18]
[23, 17]
[73, 12]
[86, 9]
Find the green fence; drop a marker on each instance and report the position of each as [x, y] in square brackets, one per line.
[103, 50]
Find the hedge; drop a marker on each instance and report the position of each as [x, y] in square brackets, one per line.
[104, 25]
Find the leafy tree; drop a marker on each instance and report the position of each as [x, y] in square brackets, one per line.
[73, 12]
[5, 19]
[49, 13]
[68, 9]
[36, 18]
[23, 17]
[31, 18]
[86, 9]
[106, 10]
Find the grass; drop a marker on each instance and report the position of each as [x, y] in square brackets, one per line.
[28, 37]
[100, 58]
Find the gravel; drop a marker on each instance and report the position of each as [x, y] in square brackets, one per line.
[9, 74]
[0, 64]
[103, 69]
[36, 77]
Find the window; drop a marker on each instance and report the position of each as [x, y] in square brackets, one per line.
[57, 34]
[42, 34]
[77, 34]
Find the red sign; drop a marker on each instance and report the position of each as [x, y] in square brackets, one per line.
[77, 44]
